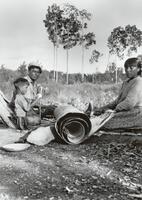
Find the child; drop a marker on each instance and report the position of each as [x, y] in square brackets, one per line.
[21, 104]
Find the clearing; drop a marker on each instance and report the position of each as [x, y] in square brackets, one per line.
[102, 168]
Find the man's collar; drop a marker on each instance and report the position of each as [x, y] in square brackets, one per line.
[30, 80]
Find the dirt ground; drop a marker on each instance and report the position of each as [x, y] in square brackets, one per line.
[102, 168]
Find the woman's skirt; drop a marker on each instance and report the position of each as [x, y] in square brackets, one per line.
[126, 120]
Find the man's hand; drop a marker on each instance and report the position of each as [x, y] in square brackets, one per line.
[39, 96]
[39, 89]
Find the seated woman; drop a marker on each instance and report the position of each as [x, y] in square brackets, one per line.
[128, 104]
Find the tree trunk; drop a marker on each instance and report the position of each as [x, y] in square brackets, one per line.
[56, 63]
[67, 75]
[116, 74]
[56, 51]
[82, 61]
[108, 61]
[93, 78]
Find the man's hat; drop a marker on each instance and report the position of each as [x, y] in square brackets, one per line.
[33, 67]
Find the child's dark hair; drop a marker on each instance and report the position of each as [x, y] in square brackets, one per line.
[35, 66]
[20, 81]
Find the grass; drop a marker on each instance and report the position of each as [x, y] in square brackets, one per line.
[80, 94]
[4, 196]
[77, 95]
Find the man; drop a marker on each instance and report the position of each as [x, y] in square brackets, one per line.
[34, 91]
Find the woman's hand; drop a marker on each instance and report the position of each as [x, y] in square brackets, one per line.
[98, 111]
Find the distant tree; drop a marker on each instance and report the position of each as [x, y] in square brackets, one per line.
[70, 39]
[5, 74]
[51, 74]
[121, 74]
[70, 34]
[124, 41]
[44, 77]
[86, 41]
[22, 69]
[81, 37]
[53, 24]
[110, 73]
[95, 57]
[89, 37]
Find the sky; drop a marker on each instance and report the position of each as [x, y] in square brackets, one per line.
[23, 36]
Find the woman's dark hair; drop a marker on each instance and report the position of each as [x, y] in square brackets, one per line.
[35, 66]
[140, 67]
[131, 61]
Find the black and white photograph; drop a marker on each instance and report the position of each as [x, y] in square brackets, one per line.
[70, 99]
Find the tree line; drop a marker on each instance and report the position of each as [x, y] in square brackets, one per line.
[7, 76]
